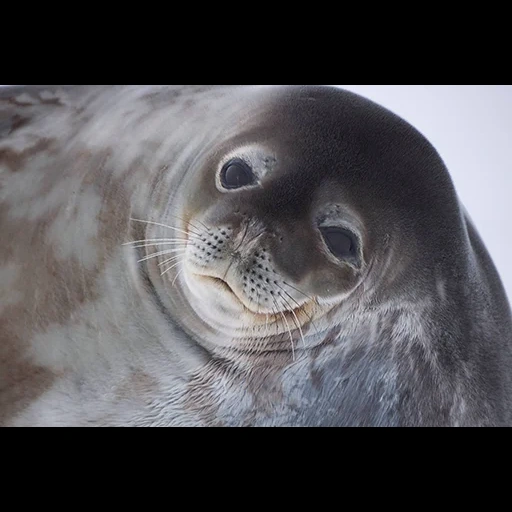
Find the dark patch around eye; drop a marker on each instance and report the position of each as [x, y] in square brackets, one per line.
[237, 174]
[341, 242]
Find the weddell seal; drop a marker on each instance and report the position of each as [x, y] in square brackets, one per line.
[216, 255]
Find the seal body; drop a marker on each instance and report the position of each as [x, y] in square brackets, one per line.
[238, 256]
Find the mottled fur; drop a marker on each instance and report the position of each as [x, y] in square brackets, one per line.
[420, 335]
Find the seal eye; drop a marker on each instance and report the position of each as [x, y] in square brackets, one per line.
[236, 174]
[340, 242]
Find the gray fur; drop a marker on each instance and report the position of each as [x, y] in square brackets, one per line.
[417, 333]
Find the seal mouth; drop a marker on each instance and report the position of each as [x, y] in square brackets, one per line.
[289, 313]
[224, 285]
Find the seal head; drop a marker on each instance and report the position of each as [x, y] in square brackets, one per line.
[314, 202]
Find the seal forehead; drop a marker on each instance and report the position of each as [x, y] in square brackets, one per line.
[327, 137]
[324, 132]
[335, 126]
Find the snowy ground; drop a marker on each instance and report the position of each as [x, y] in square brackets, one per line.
[471, 127]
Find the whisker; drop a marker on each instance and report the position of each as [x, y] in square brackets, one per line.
[288, 327]
[300, 307]
[196, 231]
[291, 298]
[257, 308]
[163, 169]
[177, 275]
[243, 238]
[251, 300]
[192, 224]
[229, 268]
[156, 255]
[234, 251]
[299, 291]
[256, 237]
[262, 340]
[159, 244]
[151, 240]
[164, 226]
[256, 342]
[297, 323]
[276, 314]
[170, 259]
[170, 268]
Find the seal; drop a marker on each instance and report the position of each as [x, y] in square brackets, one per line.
[238, 256]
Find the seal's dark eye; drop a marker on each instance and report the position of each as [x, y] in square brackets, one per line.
[341, 243]
[237, 174]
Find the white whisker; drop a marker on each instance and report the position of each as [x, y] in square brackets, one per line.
[177, 275]
[164, 226]
[297, 323]
[298, 305]
[151, 240]
[191, 223]
[301, 292]
[156, 255]
[288, 328]
[275, 314]
[160, 244]
[170, 260]
[258, 305]
[170, 268]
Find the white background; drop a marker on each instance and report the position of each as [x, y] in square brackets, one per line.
[471, 127]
